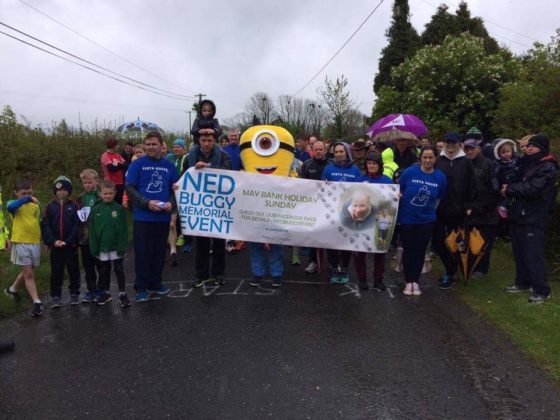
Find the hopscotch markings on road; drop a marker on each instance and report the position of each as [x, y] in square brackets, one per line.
[390, 292]
[353, 289]
[236, 291]
[182, 292]
[209, 291]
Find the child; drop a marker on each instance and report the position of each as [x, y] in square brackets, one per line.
[205, 120]
[25, 242]
[139, 151]
[60, 227]
[505, 170]
[108, 241]
[86, 201]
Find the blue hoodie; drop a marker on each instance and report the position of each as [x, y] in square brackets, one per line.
[344, 171]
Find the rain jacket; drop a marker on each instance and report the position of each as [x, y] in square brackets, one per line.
[108, 229]
[504, 171]
[313, 168]
[534, 195]
[484, 208]
[60, 223]
[461, 191]
[390, 168]
[201, 123]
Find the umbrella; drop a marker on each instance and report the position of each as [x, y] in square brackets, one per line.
[467, 246]
[136, 129]
[404, 122]
[391, 136]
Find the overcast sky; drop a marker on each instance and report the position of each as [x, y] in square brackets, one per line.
[228, 50]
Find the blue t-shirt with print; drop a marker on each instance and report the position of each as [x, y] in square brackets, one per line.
[421, 193]
[154, 179]
[336, 173]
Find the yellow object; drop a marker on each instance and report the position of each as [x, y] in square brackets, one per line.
[267, 149]
[476, 241]
[26, 228]
[4, 233]
[452, 241]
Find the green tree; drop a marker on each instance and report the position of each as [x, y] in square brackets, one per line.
[444, 23]
[450, 86]
[341, 107]
[403, 43]
[532, 103]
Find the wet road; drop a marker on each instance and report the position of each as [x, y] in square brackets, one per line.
[307, 350]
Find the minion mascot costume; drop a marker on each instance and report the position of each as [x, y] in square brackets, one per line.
[268, 150]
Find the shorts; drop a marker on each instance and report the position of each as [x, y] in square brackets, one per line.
[109, 256]
[26, 254]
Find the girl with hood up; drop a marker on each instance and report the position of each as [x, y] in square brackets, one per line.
[373, 166]
[341, 170]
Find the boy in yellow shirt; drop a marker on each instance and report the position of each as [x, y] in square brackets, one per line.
[25, 242]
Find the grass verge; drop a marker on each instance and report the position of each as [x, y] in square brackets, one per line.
[533, 328]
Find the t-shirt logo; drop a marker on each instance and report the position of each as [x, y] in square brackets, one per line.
[156, 183]
[114, 214]
[421, 198]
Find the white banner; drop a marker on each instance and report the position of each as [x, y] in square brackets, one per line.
[287, 211]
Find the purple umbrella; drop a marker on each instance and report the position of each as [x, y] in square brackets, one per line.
[404, 122]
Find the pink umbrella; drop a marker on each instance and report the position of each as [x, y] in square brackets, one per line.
[404, 122]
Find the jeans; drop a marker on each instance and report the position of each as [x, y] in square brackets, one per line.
[150, 245]
[62, 258]
[527, 243]
[258, 259]
[415, 239]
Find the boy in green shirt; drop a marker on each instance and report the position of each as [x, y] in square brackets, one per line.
[25, 242]
[108, 241]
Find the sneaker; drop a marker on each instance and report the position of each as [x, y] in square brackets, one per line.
[256, 281]
[199, 282]
[187, 248]
[446, 282]
[503, 212]
[89, 297]
[37, 309]
[219, 280]
[74, 299]
[106, 298]
[407, 289]
[363, 285]
[379, 286]
[98, 294]
[10, 294]
[277, 282]
[538, 298]
[160, 291]
[416, 289]
[141, 297]
[344, 278]
[295, 259]
[123, 299]
[180, 241]
[514, 288]
[311, 268]
[55, 302]
[173, 260]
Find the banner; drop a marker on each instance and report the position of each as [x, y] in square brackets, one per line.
[287, 211]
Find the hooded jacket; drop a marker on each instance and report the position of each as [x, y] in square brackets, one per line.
[61, 223]
[504, 171]
[380, 178]
[461, 193]
[534, 195]
[202, 123]
[390, 168]
[484, 208]
[343, 171]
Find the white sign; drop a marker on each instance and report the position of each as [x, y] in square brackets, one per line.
[287, 211]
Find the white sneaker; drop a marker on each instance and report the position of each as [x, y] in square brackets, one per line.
[416, 289]
[311, 268]
[408, 289]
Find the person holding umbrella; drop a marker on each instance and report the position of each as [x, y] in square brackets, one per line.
[422, 187]
[456, 204]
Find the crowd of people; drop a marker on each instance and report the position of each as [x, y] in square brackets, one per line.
[459, 181]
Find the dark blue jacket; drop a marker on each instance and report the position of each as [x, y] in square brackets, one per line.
[61, 223]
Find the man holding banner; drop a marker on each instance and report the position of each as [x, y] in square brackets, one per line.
[209, 155]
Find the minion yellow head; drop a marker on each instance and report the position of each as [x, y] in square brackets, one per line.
[267, 149]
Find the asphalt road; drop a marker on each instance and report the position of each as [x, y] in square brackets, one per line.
[307, 350]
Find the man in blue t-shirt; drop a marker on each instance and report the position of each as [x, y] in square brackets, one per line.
[149, 185]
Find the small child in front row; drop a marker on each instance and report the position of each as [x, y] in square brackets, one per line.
[505, 170]
[60, 227]
[91, 265]
[108, 241]
[25, 242]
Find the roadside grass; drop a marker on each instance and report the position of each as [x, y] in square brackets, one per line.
[533, 328]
